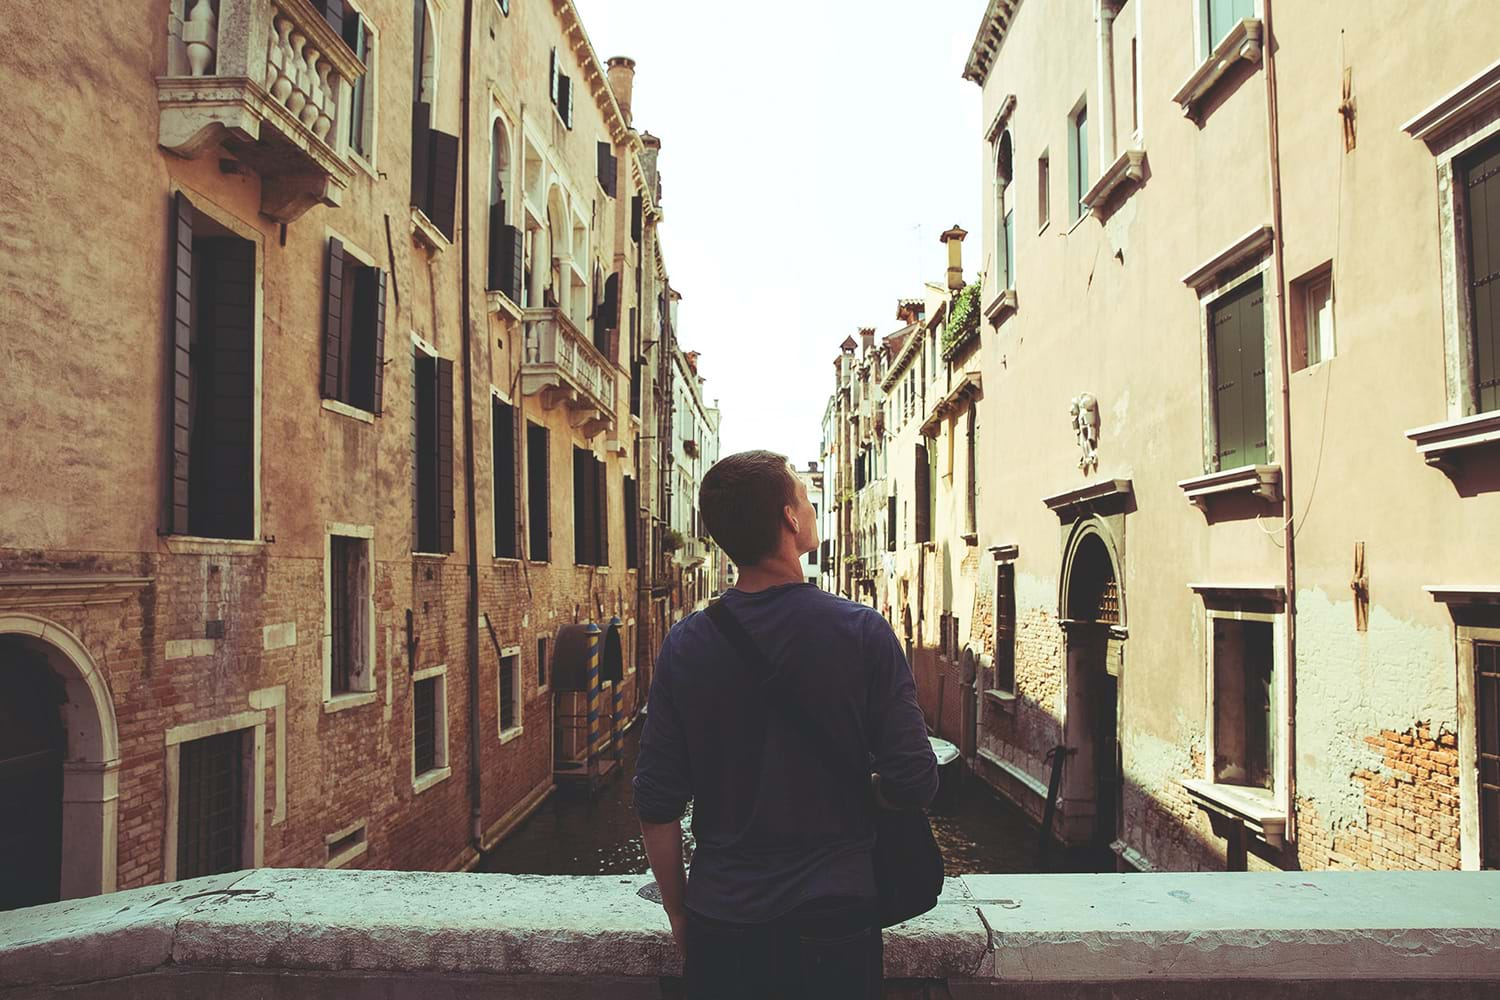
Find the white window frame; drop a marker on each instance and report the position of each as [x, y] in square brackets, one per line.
[518, 692]
[369, 691]
[371, 123]
[1203, 46]
[342, 858]
[1468, 741]
[255, 808]
[544, 667]
[1279, 698]
[627, 646]
[442, 768]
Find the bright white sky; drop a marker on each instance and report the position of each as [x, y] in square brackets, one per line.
[812, 151]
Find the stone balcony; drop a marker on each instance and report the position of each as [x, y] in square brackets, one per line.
[291, 933]
[563, 366]
[267, 84]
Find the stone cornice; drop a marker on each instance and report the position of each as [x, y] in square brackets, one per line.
[594, 73]
[62, 590]
[1453, 111]
[998, 15]
[1243, 250]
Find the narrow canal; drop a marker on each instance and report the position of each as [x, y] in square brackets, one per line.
[571, 834]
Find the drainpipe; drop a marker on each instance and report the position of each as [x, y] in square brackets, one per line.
[1105, 14]
[1288, 529]
[476, 816]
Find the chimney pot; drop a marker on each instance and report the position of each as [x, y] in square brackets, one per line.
[622, 83]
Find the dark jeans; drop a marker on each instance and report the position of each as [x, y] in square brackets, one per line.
[829, 949]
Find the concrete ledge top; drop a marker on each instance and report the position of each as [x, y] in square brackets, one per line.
[1346, 926]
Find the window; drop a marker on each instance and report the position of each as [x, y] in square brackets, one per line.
[432, 488]
[562, 92]
[346, 845]
[1312, 317]
[632, 522]
[541, 663]
[971, 471]
[1005, 216]
[637, 217]
[212, 814]
[1005, 627]
[503, 457]
[1481, 208]
[890, 524]
[1487, 698]
[1135, 86]
[211, 445]
[1078, 161]
[353, 330]
[538, 493]
[609, 168]
[434, 154]
[606, 313]
[429, 740]
[509, 690]
[1244, 724]
[590, 510]
[349, 624]
[923, 473]
[1237, 359]
[507, 242]
[1218, 16]
[361, 118]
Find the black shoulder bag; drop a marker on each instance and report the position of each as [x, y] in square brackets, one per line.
[908, 864]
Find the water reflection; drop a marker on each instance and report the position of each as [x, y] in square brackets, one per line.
[573, 835]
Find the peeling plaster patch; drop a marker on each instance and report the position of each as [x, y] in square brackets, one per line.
[1119, 414]
[1355, 684]
[1034, 592]
[279, 636]
[181, 649]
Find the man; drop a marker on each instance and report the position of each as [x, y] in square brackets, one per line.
[781, 899]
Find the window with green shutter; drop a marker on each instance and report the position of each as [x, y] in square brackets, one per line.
[1217, 17]
[1482, 207]
[1237, 372]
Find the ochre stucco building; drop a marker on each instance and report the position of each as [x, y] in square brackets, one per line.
[330, 398]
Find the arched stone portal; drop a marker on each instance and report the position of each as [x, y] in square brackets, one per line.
[42, 662]
[1092, 611]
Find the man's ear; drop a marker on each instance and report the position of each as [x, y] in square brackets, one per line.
[789, 518]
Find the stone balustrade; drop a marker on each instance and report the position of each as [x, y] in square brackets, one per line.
[268, 82]
[312, 933]
[563, 365]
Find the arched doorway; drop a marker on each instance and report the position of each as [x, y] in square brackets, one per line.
[1093, 618]
[59, 761]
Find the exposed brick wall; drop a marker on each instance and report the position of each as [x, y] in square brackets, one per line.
[1411, 805]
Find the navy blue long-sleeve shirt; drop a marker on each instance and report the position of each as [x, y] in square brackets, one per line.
[773, 832]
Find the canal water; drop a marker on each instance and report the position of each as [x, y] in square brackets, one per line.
[571, 834]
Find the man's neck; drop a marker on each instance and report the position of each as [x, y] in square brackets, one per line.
[773, 572]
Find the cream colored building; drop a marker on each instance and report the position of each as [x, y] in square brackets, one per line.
[1236, 539]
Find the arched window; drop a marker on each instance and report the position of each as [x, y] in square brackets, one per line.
[425, 55]
[499, 162]
[1005, 213]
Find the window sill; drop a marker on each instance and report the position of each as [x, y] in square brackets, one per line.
[1263, 481]
[197, 545]
[506, 735]
[1242, 42]
[345, 410]
[341, 702]
[507, 560]
[1256, 808]
[358, 159]
[1003, 700]
[1082, 218]
[1445, 446]
[1001, 306]
[430, 555]
[1129, 168]
[499, 302]
[422, 782]
[426, 233]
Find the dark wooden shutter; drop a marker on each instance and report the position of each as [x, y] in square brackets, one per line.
[1482, 194]
[421, 152]
[538, 492]
[565, 98]
[497, 265]
[379, 337]
[890, 524]
[445, 454]
[608, 316]
[223, 473]
[443, 165]
[503, 451]
[637, 214]
[601, 512]
[180, 367]
[334, 328]
[418, 380]
[506, 252]
[632, 522]
[923, 498]
[608, 169]
[333, 13]
[636, 369]
[583, 519]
